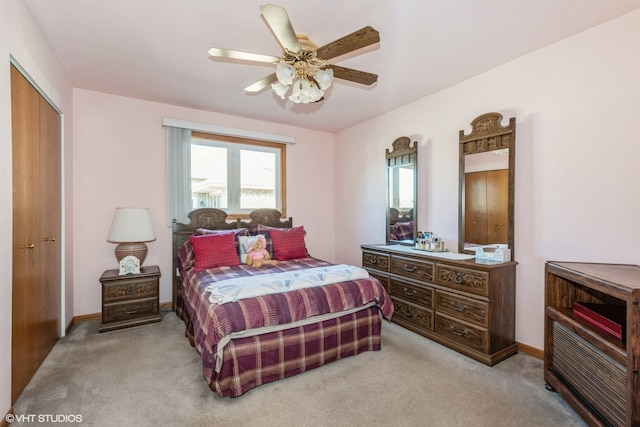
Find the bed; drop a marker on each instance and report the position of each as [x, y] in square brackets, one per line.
[252, 326]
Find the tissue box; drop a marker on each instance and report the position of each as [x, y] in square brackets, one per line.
[491, 255]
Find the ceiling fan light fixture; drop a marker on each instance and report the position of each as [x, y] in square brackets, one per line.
[304, 76]
[315, 93]
[300, 92]
[324, 78]
[280, 89]
[285, 73]
[300, 62]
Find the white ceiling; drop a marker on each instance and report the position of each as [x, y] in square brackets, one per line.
[157, 49]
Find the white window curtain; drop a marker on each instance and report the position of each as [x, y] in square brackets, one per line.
[178, 174]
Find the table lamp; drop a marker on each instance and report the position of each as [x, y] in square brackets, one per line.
[131, 228]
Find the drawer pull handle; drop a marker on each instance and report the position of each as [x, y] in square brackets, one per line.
[407, 312]
[31, 246]
[409, 269]
[459, 308]
[131, 290]
[409, 294]
[127, 311]
[458, 332]
[458, 279]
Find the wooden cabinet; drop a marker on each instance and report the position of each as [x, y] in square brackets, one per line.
[467, 306]
[130, 299]
[594, 372]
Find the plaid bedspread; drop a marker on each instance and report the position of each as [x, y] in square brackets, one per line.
[208, 323]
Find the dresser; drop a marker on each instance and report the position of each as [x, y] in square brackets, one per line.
[130, 299]
[595, 372]
[462, 304]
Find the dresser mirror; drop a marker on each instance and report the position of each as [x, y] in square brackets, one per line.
[487, 184]
[401, 163]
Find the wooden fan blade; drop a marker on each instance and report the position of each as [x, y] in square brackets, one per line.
[350, 74]
[280, 24]
[356, 40]
[261, 84]
[217, 52]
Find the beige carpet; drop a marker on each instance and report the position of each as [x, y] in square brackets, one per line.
[151, 376]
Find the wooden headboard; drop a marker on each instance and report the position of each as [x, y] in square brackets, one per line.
[216, 219]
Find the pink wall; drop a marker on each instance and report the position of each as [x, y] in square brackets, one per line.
[576, 107]
[20, 38]
[119, 160]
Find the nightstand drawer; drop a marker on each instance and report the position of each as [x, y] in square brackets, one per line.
[130, 310]
[129, 290]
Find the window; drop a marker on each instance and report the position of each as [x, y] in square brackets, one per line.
[236, 175]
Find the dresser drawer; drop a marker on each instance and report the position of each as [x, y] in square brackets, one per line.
[130, 310]
[473, 337]
[463, 308]
[416, 294]
[412, 268]
[412, 316]
[376, 260]
[130, 290]
[463, 279]
[384, 280]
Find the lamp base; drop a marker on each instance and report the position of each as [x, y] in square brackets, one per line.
[138, 250]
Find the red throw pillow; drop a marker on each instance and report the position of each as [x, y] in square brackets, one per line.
[288, 243]
[214, 250]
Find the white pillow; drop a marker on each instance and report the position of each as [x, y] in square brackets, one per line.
[243, 247]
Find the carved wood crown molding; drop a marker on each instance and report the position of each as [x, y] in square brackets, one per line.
[402, 146]
[487, 134]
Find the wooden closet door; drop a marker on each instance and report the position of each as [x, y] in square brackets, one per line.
[25, 352]
[497, 206]
[486, 207]
[50, 220]
[475, 200]
[36, 263]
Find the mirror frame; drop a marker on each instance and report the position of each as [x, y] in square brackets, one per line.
[403, 152]
[488, 134]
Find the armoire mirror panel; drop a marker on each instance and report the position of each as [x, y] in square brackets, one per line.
[487, 190]
[401, 163]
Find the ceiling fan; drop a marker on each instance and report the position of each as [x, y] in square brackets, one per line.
[303, 66]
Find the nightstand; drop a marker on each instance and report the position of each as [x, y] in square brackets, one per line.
[131, 299]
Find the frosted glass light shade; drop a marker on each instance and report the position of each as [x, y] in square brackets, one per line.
[324, 78]
[301, 91]
[285, 73]
[280, 89]
[131, 227]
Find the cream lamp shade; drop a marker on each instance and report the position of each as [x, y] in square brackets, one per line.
[131, 228]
